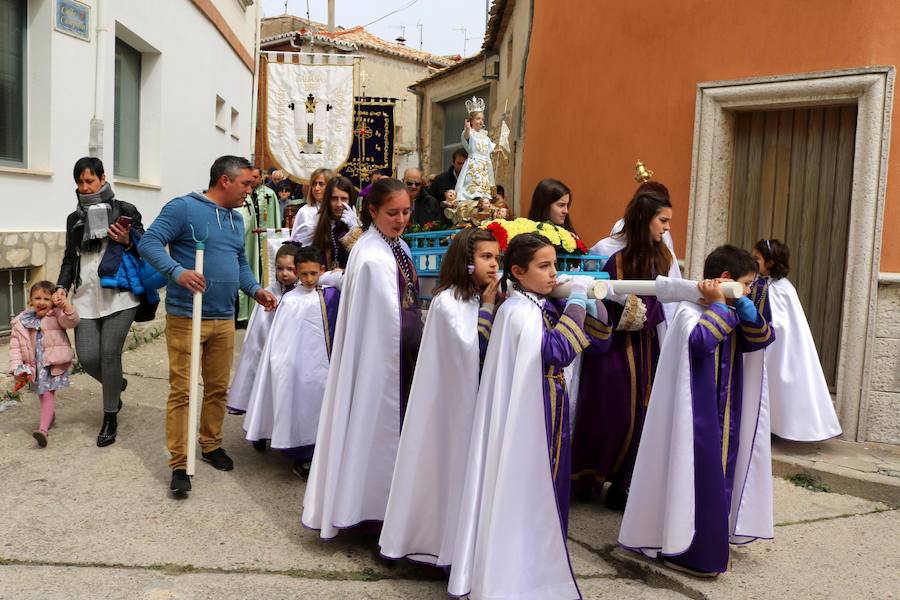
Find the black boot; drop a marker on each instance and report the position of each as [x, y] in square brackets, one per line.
[107, 433]
[616, 497]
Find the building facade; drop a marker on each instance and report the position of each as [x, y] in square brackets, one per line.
[766, 120]
[156, 90]
[495, 74]
[386, 69]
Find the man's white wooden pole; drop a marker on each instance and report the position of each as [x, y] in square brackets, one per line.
[194, 397]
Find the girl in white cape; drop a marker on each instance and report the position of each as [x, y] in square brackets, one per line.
[373, 357]
[511, 539]
[424, 503]
[799, 400]
[258, 329]
[287, 396]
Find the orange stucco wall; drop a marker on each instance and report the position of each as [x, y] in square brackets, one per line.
[611, 81]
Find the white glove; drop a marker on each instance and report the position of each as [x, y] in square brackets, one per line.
[348, 218]
[581, 284]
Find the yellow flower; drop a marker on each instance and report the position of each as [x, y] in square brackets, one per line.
[567, 240]
[550, 232]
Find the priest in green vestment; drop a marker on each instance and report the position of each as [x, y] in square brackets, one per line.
[261, 211]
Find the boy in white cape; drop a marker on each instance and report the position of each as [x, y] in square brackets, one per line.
[703, 477]
[287, 393]
[258, 331]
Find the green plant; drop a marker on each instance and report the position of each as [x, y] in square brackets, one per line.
[810, 482]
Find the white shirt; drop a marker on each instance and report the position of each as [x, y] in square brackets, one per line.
[92, 301]
[305, 220]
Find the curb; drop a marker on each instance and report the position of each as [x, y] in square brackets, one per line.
[842, 480]
[656, 575]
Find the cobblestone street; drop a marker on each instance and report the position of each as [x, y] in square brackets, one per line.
[88, 522]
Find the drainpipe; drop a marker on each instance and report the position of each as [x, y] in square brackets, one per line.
[254, 101]
[420, 101]
[95, 141]
[521, 120]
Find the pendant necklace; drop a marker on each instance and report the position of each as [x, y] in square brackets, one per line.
[409, 296]
[547, 317]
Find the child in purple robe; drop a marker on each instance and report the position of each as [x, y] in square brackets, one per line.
[516, 491]
[703, 473]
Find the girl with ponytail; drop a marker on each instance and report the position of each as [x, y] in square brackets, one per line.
[520, 437]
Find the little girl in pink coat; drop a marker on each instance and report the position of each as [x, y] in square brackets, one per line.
[39, 350]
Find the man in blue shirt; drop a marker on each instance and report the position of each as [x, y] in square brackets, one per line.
[225, 270]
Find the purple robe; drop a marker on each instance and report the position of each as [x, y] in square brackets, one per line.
[338, 232]
[410, 333]
[485, 325]
[613, 396]
[567, 332]
[329, 298]
[716, 347]
[759, 294]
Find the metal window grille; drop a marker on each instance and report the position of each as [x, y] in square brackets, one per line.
[13, 296]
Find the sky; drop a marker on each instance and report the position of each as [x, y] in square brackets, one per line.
[441, 20]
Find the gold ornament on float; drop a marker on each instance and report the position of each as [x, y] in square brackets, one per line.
[642, 173]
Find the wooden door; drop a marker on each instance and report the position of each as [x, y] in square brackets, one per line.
[793, 171]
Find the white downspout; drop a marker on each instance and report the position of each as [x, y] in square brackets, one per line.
[95, 143]
[254, 108]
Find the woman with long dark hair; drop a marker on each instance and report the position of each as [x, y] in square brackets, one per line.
[337, 228]
[374, 350]
[615, 388]
[98, 233]
[551, 201]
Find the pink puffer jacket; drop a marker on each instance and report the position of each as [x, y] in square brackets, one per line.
[58, 353]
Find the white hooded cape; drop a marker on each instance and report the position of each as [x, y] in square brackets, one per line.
[801, 403]
[510, 542]
[287, 395]
[423, 508]
[258, 328]
[359, 426]
[659, 516]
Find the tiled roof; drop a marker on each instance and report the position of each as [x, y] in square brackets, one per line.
[495, 20]
[451, 69]
[356, 38]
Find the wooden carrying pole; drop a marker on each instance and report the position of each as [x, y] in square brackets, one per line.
[603, 288]
[194, 396]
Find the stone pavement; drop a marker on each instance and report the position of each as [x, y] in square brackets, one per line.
[86, 522]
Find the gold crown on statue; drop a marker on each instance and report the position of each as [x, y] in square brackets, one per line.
[642, 173]
[475, 105]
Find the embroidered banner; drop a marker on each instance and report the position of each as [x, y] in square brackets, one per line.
[309, 115]
[373, 140]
